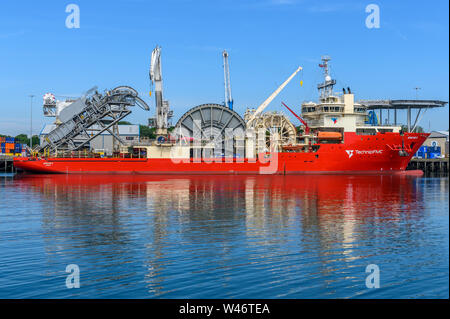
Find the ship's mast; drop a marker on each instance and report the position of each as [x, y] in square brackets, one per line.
[326, 88]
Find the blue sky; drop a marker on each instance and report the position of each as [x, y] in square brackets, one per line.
[266, 40]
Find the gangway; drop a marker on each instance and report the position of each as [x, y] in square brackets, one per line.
[91, 115]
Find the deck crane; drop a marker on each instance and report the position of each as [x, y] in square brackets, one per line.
[299, 118]
[271, 97]
[226, 75]
[162, 107]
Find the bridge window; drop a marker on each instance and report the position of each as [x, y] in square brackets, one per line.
[307, 109]
[331, 108]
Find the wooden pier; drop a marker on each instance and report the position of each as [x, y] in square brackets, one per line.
[427, 165]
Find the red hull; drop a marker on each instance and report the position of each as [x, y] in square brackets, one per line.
[360, 154]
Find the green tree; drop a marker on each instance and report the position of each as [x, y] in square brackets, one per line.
[22, 138]
[36, 140]
[148, 132]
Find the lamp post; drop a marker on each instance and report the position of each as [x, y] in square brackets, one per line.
[417, 91]
[31, 120]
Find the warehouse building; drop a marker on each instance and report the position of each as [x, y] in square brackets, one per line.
[103, 142]
[438, 139]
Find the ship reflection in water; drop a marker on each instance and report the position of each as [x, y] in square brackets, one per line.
[224, 236]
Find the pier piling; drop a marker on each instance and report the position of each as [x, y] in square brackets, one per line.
[6, 164]
[427, 165]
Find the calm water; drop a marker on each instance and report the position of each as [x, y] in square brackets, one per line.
[224, 236]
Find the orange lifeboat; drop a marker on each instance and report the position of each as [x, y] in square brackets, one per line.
[291, 147]
[329, 136]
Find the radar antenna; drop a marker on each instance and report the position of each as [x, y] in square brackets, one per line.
[326, 88]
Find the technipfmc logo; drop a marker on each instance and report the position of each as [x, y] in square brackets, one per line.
[350, 153]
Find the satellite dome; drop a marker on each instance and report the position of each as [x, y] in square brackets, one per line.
[328, 78]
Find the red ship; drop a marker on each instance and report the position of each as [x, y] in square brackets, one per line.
[380, 153]
[336, 136]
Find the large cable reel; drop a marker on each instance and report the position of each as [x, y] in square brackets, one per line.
[210, 124]
[277, 128]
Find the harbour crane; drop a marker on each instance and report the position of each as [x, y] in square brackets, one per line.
[226, 75]
[162, 107]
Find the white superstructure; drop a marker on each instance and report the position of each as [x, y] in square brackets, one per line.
[339, 112]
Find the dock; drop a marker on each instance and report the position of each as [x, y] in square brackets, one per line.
[6, 164]
[429, 165]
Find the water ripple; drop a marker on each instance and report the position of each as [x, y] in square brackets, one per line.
[224, 237]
